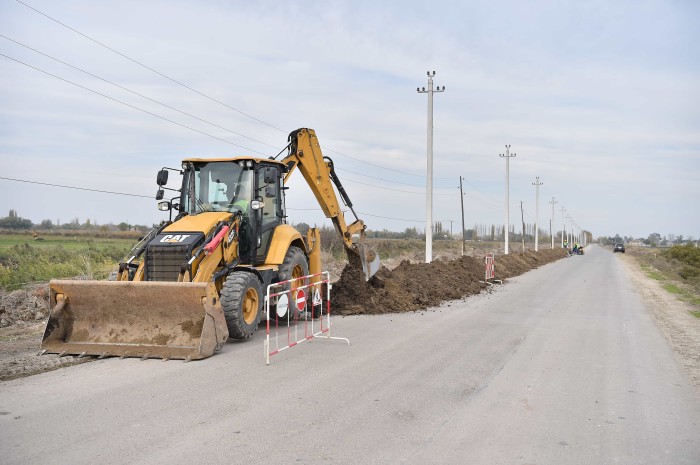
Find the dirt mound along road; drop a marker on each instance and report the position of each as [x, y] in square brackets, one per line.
[414, 286]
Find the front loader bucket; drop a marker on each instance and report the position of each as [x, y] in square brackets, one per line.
[135, 319]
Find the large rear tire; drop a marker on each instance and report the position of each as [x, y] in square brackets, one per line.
[242, 300]
[294, 265]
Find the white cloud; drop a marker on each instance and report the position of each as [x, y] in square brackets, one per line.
[598, 99]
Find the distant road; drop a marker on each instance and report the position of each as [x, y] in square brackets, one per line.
[562, 365]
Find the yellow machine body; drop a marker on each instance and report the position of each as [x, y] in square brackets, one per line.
[173, 298]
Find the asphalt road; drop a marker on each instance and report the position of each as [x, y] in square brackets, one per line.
[563, 365]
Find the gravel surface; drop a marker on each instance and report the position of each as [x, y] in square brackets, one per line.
[672, 315]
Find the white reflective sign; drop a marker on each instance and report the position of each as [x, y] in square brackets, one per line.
[282, 305]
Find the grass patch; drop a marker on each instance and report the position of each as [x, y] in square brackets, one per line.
[653, 273]
[24, 260]
[672, 288]
[76, 243]
[682, 294]
[695, 314]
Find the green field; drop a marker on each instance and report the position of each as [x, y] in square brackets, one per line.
[76, 243]
[25, 260]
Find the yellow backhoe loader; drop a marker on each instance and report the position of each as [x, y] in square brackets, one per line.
[200, 278]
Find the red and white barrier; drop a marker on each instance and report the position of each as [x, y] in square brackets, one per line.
[294, 321]
[490, 272]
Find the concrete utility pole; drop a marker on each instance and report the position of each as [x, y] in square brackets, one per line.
[461, 200]
[522, 218]
[551, 222]
[429, 183]
[563, 227]
[507, 156]
[537, 185]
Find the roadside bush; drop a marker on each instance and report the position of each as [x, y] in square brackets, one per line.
[689, 272]
[687, 258]
[687, 254]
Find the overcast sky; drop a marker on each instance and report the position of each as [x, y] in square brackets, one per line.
[600, 99]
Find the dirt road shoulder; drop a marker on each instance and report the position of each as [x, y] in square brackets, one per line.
[673, 316]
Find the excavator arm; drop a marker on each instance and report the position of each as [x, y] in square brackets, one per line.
[318, 171]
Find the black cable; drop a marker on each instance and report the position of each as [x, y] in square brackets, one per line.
[385, 180]
[478, 191]
[203, 94]
[76, 188]
[136, 93]
[390, 189]
[379, 166]
[151, 69]
[151, 197]
[132, 106]
[389, 218]
[191, 115]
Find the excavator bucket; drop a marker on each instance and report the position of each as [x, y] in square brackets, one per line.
[366, 257]
[371, 263]
[135, 319]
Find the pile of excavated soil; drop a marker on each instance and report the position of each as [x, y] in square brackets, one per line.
[414, 286]
[29, 304]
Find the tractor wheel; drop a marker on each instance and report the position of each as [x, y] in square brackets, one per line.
[242, 300]
[295, 265]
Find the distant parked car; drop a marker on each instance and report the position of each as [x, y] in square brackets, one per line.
[619, 248]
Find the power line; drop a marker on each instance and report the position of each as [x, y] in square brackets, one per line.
[379, 166]
[151, 69]
[151, 197]
[185, 126]
[487, 203]
[391, 189]
[136, 93]
[201, 93]
[132, 106]
[76, 188]
[389, 218]
[381, 179]
[184, 112]
[479, 192]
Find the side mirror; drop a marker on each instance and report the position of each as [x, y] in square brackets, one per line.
[270, 176]
[159, 194]
[162, 178]
[269, 191]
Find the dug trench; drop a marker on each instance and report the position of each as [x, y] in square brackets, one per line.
[407, 287]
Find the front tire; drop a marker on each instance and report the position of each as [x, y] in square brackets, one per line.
[242, 299]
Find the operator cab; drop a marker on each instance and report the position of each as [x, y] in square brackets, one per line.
[217, 187]
[250, 186]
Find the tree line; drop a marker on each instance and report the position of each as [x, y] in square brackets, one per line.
[483, 232]
[14, 221]
[653, 240]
